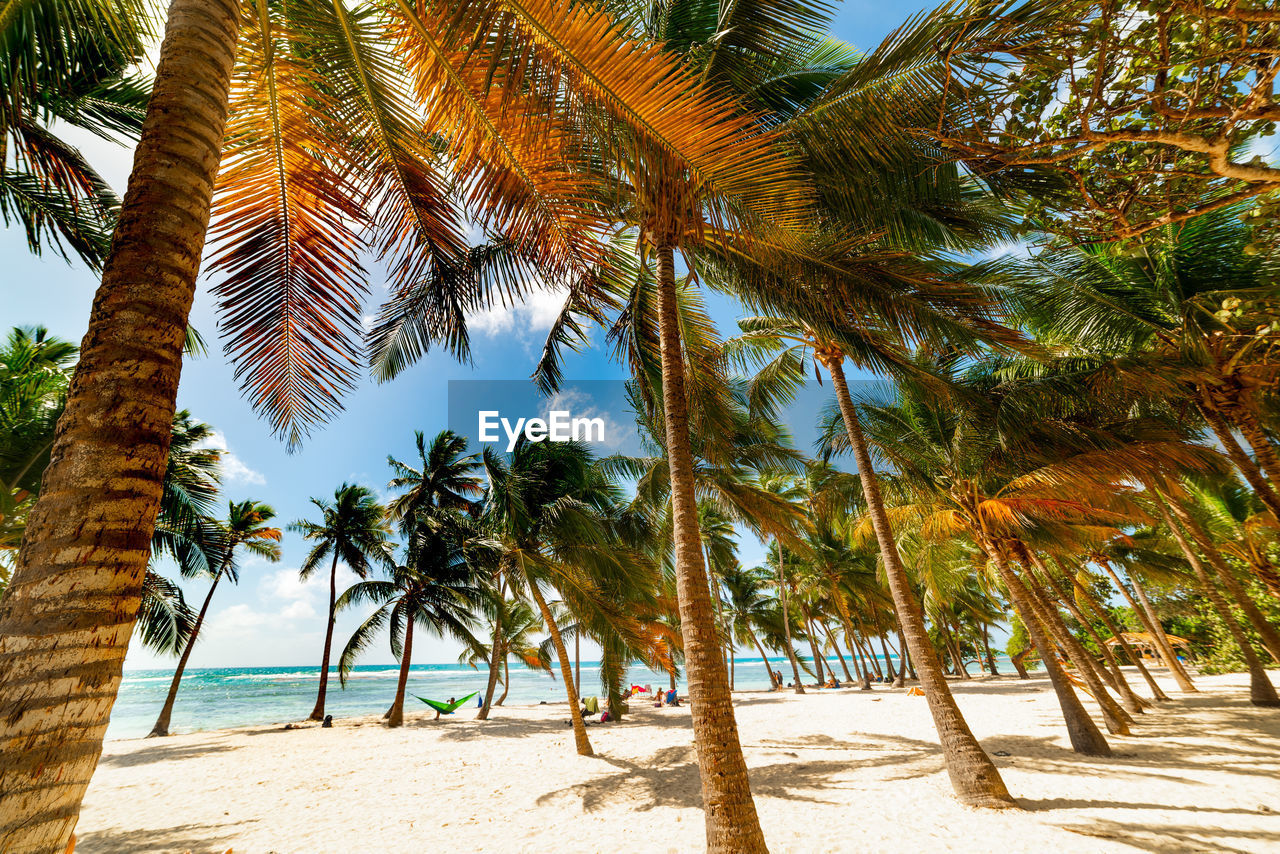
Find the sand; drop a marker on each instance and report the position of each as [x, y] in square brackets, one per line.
[831, 771]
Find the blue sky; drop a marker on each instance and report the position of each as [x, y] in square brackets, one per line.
[272, 618]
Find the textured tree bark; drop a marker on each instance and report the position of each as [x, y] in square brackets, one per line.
[786, 621]
[1261, 691]
[986, 650]
[1115, 718]
[506, 678]
[498, 650]
[68, 614]
[1116, 632]
[317, 714]
[566, 673]
[395, 716]
[1270, 637]
[1252, 473]
[1131, 701]
[732, 823]
[161, 727]
[974, 776]
[1083, 732]
[1147, 615]
[844, 665]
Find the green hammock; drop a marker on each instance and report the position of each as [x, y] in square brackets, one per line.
[447, 708]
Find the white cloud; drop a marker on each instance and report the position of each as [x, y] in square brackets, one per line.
[535, 313]
[234, 471]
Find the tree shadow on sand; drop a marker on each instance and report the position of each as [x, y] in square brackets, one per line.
[669, 777]
[163, 753]
[198, 838]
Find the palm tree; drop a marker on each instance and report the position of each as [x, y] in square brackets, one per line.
[444, 479]
[1184, 317]
[291, 325]
[783, 342]
[748, 609]
[67, 65]
[353, 530]
[35, 370]
[245, 527]
[554, 509]
[436, 589]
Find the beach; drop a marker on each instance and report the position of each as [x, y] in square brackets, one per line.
[834, 770]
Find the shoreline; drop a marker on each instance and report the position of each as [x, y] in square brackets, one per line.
[835, 770]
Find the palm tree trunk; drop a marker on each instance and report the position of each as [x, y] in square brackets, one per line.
[850, 637]
[776, 683]
[566, 673]
[506, 678]
[1101, 612]
[395, 716]
[1263, 451]
[836, 646]
[953, 647]
[986, 649]
[498, 649]
[577, 663]
[888, 664]
[905, 658]
[1252, 473]
[973, 775]
[1082, 731]
[732, 823]
[317, 714]
[1115, 718]
[1148, 617]
[88, 536]
[1261, 691]
[162, 722]
[818, 665]
[867, 652]
[1270, 637]
[786, 620]
[1132, 702]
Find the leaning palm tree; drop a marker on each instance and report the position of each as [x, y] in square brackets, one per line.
[394, 94]
[245, 527]
[554, 510]
[779, 346]
[354, 531]
[435, 589]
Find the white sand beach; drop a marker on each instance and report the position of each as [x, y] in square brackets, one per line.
[831, 771]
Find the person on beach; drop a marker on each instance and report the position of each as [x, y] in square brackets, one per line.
[451, 702]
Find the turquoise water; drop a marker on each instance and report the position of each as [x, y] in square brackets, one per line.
[217, 698]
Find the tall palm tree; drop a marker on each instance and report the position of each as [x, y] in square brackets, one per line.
[245, 527]
[553, 509]
[436, 589]
[353, 529]
[783, 342]
[286, 322]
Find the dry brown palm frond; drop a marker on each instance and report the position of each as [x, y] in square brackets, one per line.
[285, 237]
[681, 145]
[520, 164]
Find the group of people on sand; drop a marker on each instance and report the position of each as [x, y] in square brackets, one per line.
[831, 682]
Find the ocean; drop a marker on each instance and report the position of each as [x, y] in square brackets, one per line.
[222, 697]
